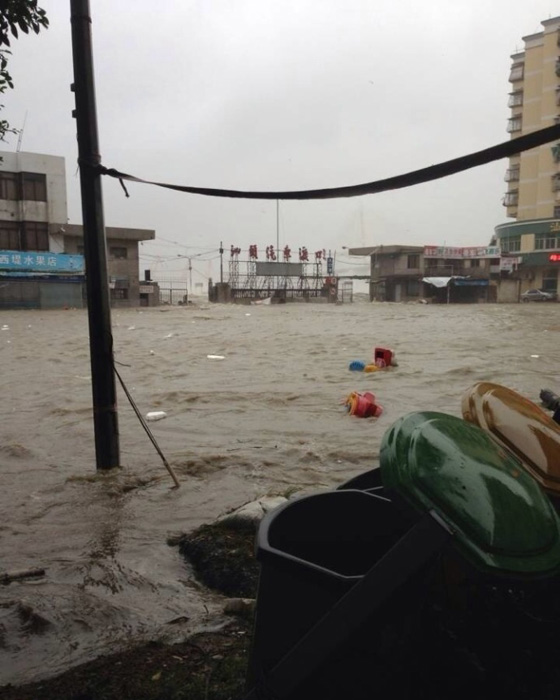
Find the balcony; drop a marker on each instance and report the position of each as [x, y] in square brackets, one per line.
[515, 99]
[557, 67]
[516, 72]
[514, 124]
[510, 199]
[512, 175]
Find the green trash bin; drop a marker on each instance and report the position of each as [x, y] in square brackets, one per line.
[494, 612]
[504, 524]
[316, 552]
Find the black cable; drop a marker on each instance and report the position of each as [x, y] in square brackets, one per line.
[416, 177]
[145, 425]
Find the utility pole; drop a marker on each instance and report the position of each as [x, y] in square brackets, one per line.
[277, 230]
[105, 419]
[221, 262]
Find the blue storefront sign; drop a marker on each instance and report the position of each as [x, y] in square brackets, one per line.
[43, 262]
[471, 283]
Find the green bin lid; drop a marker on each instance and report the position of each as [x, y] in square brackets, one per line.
[502, 520]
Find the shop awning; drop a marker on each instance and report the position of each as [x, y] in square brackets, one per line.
[437, 281]
[457, 280]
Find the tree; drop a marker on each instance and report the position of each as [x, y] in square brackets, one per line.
[16, 16]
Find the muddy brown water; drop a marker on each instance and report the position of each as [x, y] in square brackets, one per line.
[266, 418]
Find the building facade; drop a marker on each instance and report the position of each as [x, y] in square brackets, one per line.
[41, 254]
[533, 177]
[475, 274]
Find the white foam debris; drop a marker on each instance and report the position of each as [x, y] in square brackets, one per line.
[169, 335]
[216, 357]
[156, 415]
[5, 327]
[250, 514]
[132, 328]
[536, 356]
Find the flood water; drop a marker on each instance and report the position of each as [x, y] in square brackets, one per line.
[266, 418]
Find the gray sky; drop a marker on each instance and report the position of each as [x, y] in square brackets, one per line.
[282, 94]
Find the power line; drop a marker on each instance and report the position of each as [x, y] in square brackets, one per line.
[416, 177]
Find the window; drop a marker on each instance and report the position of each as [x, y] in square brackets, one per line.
[557, 212]
[34, 187]
[514, 124]
[119, 293]
[510, 245]
[118, 252]
[80, 249]
[9, 235]
[516, 72]
[510, 198]
[515, 99]
[546, 241]
[8, 186]
[475, 262]
[556, 152]
[512, 174]
[555, 183]
[34, 236]
[413, 262]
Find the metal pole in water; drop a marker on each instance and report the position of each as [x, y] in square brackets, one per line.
[105, 417]
[277, 230]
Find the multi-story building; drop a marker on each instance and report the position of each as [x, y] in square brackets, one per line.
[438, 274]
[533, 177]
[41, 254]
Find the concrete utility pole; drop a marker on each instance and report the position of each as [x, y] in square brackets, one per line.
[105, 418]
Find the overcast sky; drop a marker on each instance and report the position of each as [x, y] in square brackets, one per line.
[282, 94]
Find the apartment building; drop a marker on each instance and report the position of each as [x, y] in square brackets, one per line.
[41, 254]
[532, 197]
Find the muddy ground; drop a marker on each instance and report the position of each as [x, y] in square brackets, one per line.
[209, 666]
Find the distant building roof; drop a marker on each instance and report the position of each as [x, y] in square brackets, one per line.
[130, 234]
[386, 250]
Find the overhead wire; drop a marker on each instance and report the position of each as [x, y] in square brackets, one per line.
[416, 177]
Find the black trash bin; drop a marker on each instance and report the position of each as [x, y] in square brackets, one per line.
[312, 551]
[366, 481]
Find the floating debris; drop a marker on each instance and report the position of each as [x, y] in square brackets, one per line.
[156, 415]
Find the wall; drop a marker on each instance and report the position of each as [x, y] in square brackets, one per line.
[508, 291]
[55, 210]
[123, 273]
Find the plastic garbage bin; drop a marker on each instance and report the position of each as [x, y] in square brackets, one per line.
[503, 522]
[312, 551]
[370, 481]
